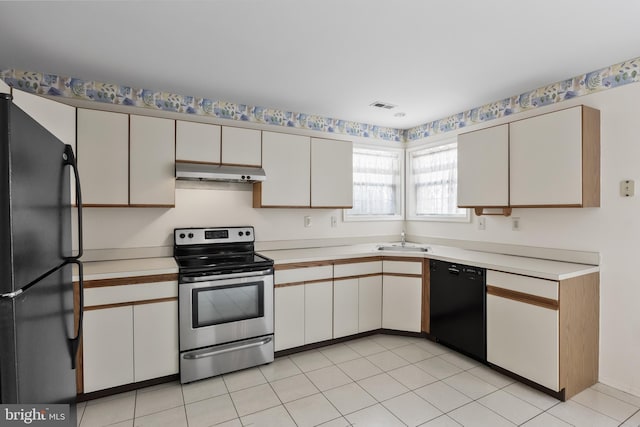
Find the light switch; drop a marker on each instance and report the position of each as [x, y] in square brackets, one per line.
[307, 221]
[627, 188]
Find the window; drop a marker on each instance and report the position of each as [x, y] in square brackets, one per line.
[433, 183]
[377, 184]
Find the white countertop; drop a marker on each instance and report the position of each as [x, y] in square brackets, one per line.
[545, 269]
[97, 270]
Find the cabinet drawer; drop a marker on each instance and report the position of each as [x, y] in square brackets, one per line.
[357, 269]
[402, 267]
[130, 293]
[528, 285]
[303, 274]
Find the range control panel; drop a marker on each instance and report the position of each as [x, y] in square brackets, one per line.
[212, 236]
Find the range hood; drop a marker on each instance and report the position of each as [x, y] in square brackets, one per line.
[208, 172]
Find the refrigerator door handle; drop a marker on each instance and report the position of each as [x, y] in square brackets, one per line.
[75, 341]
[70, 159]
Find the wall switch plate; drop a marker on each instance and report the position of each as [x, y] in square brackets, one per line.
[482, 223]
[515, 223]
[627, 188]
[307, 221]
[334, 221]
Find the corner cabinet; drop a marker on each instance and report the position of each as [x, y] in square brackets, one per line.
[483, 168]
[304, 172]
[555, 159]
[545, 331]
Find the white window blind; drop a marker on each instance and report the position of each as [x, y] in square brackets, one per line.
[377, 184]
[434, 183]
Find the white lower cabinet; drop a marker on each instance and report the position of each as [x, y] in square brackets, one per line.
[401, 303]
[107, 348]
[155, 339]
[345, 307]
[288, 317]
[318, 322]
[369, 303]
[523, 338]
[122, 345]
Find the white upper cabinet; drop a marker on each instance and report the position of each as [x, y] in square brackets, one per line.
[241, 146]
[331, 173]
[555, 159]
[197, 142]
[483, 167]
[152, 161]
[286, 160]
[103, 157]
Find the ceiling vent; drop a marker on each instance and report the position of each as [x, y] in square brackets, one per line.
[383, 105]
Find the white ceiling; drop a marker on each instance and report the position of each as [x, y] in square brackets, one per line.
[431, 58]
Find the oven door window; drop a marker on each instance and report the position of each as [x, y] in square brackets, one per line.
[230, 303]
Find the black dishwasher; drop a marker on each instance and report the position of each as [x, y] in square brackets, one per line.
[457, 307]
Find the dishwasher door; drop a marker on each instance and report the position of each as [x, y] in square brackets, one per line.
[458, 306]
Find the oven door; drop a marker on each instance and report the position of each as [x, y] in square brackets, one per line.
[222, 309]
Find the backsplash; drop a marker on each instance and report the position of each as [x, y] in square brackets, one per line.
[69, 87]
[48, 84]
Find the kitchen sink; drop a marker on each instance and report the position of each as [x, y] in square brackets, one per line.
[408, 247]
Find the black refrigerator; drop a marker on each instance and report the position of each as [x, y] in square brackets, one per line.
[38, 335]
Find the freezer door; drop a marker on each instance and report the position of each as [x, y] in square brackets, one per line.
[35, 211]
[36, 362]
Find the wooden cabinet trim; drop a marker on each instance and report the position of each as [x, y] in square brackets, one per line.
[132, 280]
[357, 260]
[522, 297]
[131, 303]
[418, 276]
[295, 265]
[286, 285]
[358, 276]
[402, 258]
[426, 296]
[579, 333]
[590, 157]
[196, 162]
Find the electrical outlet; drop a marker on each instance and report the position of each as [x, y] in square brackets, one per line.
[307, 221]
[627, 188]
[334, 221]
[515, 224]
[482, 223]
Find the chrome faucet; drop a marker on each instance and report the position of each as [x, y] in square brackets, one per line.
[403, 240]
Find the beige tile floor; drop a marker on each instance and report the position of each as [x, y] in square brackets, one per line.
[382, 380]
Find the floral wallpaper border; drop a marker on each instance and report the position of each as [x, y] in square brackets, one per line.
[70, 87]
[606, 78]
[48, 84]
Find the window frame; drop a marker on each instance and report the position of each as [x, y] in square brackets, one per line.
[400, 204]
[410, 186]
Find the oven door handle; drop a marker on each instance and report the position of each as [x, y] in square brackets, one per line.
[227, 349]
[196, 279]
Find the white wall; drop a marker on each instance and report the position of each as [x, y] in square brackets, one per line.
[613, 230]
[225, 205]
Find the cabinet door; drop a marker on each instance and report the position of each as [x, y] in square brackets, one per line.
[155, 331]
[331, 173]
[152, 162]
[103, 157]
[483, 167]
[287, 163]
[197, 142]
[401, 302]
[523, 338]
[546, 159]
[289, 317]
[369, 303]
[107, 348]
[4, 88]
[345, 307]
[318, 321]
[241, 146]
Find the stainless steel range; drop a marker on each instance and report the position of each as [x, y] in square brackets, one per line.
[225, 299]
